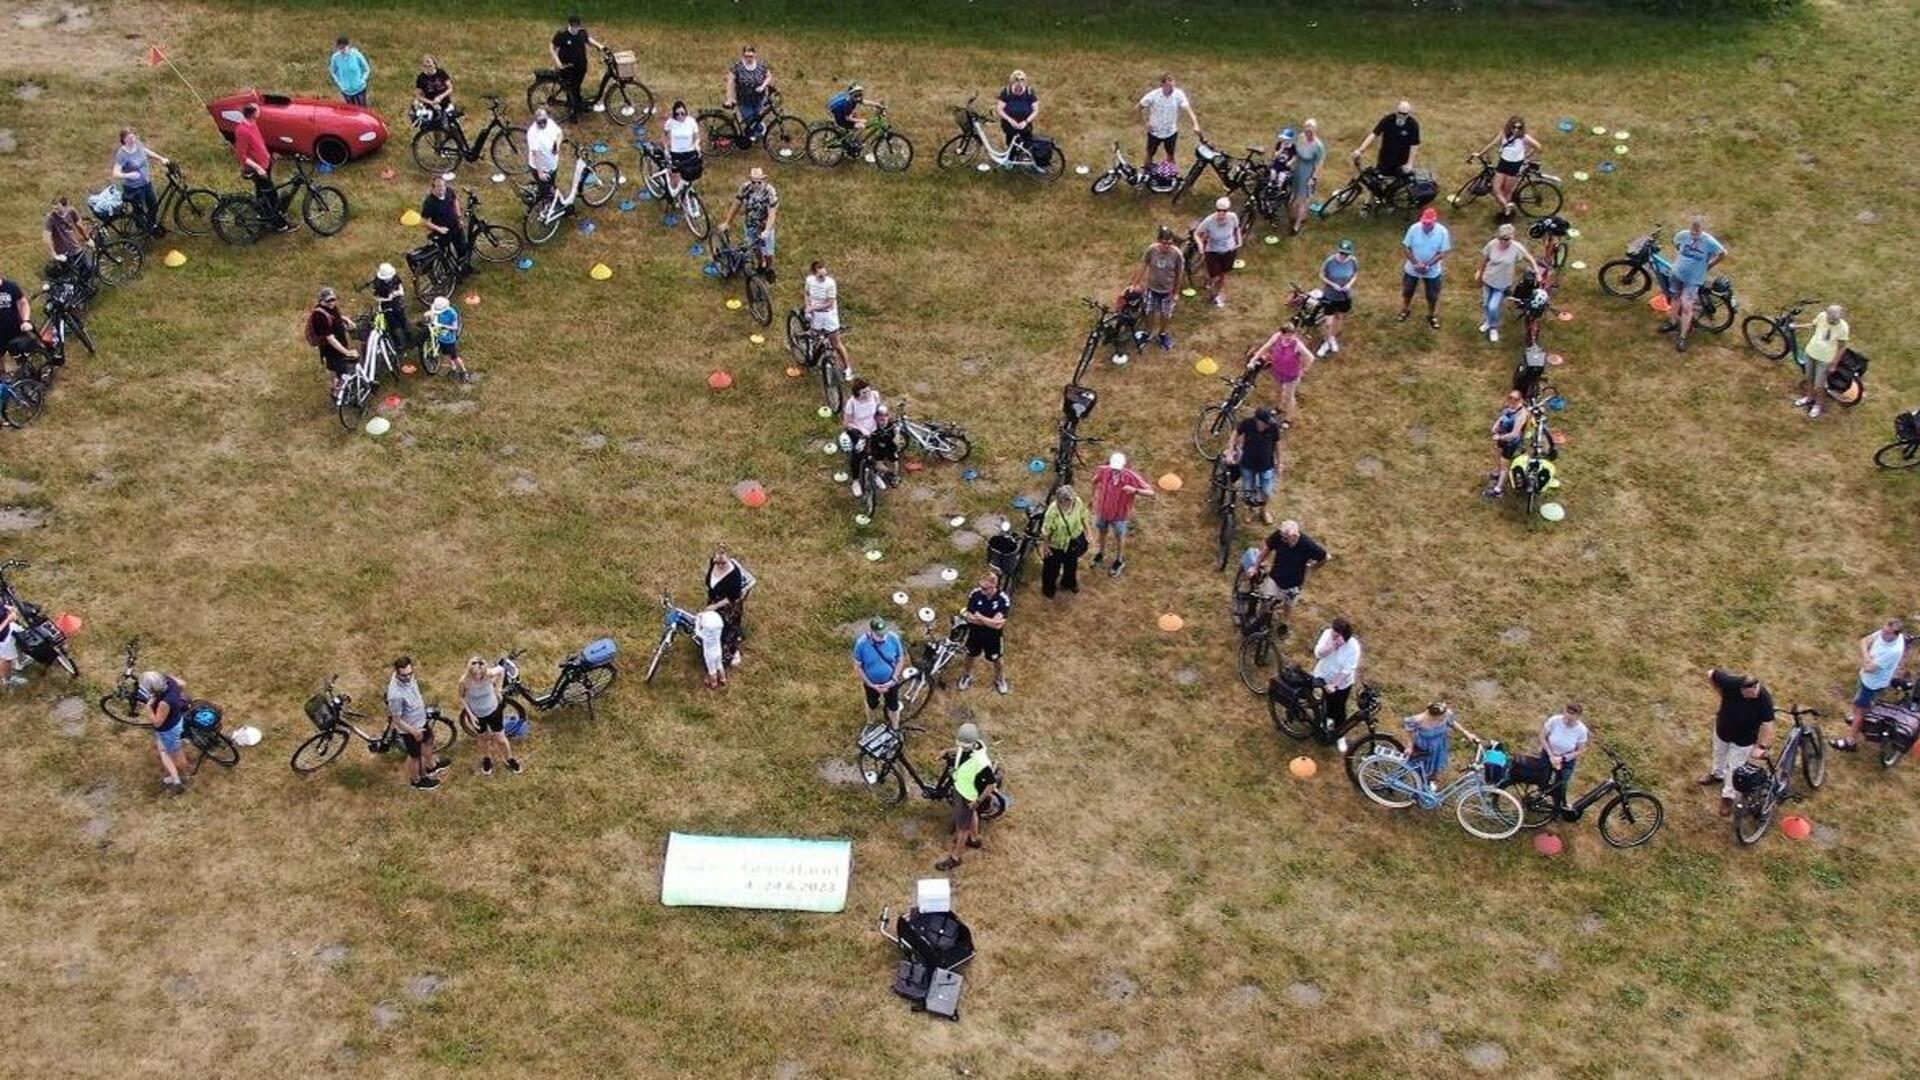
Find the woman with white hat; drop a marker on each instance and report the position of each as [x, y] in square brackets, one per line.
[391, 294]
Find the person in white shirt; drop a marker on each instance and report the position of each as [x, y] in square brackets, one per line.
[1161, 108]
[683, 148]
[1337, 664]
[708, 628]
[860, 416]
[1563, 738]
[1880, 656]
[823, 312]
[543, 151]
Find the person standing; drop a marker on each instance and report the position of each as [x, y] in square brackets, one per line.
[66, 241]
[1742, 730]
[1695, 253]
[543, 153]
[684, 156]
[484, 703]
[987, 608]
[1516, 149]
[167, 712]
[1499, 261]
[1337, 275]
[1115, 487]
[1426, 245]
[1827, 339]
[1219, 234]
[1286, 356]
[1880, 654]
[1509, 431]
[445, 221]
[728, 584]
[1064, 530]
[569, 51]
[1018, 107]
[1160, 108]
[1161, 272]
[350, 71]
[748, 81]
[1336, 664]
[10, 622]
[1288, 556]
[1309, 150]
[973, 780]
[1256, 449]
[1563, 738]
[761, 203]
[133, 170]
[859, 419]
[823, 312]
[879, 659]
[256, 166]
[1432, 736]
[1399, 136]
[390, 294]
[407, 712]
[443, 326]
[329, 332]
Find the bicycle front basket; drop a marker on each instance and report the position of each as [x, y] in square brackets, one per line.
[881, 741]
[320, 711]
[963, 116]
[625, 64]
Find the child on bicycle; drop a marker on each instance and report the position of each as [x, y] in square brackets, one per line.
[1432, 732]
[844, 107]
[444, 324]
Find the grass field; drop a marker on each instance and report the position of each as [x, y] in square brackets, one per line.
[1164, 899]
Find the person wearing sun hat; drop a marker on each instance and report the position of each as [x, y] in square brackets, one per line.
[1426, 244]
[973, 776]
[1337, 274]
[443, 323]
[1115, 486]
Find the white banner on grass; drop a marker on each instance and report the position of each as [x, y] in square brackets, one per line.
[769, 873]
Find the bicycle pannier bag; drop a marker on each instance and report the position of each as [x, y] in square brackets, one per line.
[599, 652]
[204, 715]
[39, 642]
[1424, 189]
[1906, 426]
[881, 741]
[419, 256]
[1042, 152]
[1901, 725]
[1494, 763]
[1077, 401]
[1534, 769]
[1749, 778]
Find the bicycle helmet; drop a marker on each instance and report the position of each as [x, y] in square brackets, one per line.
[153, 682]
[856, 90]
[385, 272]
[1722, 285]
[1286, 135]
[1552, 224]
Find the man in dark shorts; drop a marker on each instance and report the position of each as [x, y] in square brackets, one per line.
[329, 332]
[986, 616]
[1289, 554]
[407, 712]
[445, 221]
[1742, 730]
[973, 780]
[569, 49]
[879, 659]
[1161, 273]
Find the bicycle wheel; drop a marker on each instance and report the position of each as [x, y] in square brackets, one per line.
[957, 151]
[955, 445]
[785, 139]
[656, 181]
[915, 691]
[351, 404]
[1211, 431]
[1631, 819]
[20, 400]
[1716, 314]
[429, 352]
[659, 654]
[797, 345]
[548, 94]
[1813, 758]
[497, 244]
[1538, 199]
[1358, 752]
[589, 685]
[1054, 169]
[324, 210]
[1488, 813]
[509, 150]
[1106, 182]
[600, 184]
[832, 391]
[825, 147]
[122, 709]
[1289, 721]
[442, 731]
[1229, 534]
[1536, 805]
[119, 261]
[320, 749]
[893, 153]
[1260, 661]
[1751, 816]
[1625, 279]
[1890, 753]
[628, 102]
[870, 491]
[1389, 781]
[214, 746]
[759, 304]
[1764, 337]
[694, 213]
[883, 779]
[1479, 185]
[1897, 455]
[436, 150]
[1339, 200]
[542, 223]
[237, 220]
[721, 133]
[193, 213]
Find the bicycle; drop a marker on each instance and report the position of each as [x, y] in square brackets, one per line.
[1491, 813]
[1011, 558]
[1213, 429]
[1774, 336]
[1760, 788]
[39, 638]
[1236, 174]
[1555, 247]
[742, 262]
[1630, 818]
[621, 96]
[337, 725]
[577, 680]
[1018, 156]
[1537, 195]
[1531, 473]
[241, 218]
[438, 265]
[811, 350]
[1904, 451]
[1115, 329]
[1401, 193]
[594, 184]
[781, 135]
[884, 765]
[661, 184]
[1631, 276]
[1261, 659]
[382, 346]
[189, 208]
[106, 260]
[933, 656]
[46, 354]
[126, 704]
[829, 144]
[353, 388]
[948, 442]
[1223, 498]
[676, 621]
[1160, 179]
[1305, 716]
[21, 396]
[1066, 453]
[442, 145]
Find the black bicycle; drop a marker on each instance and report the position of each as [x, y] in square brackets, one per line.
[1299, 711]
[1761, 786]
[106, 260]
[732, 261]
[190, 209]
[61, 304]
[441, 144]
[38, 638]
[1398, 193]
[1114, 330]
[242, 218]
[621, 95]
[886, 768]
[437, 266]
[1223, 499]
[783, 136]
[337, 724]
[1007, 553]
[579, 679]
[127, 704]
[1774, 336]
[1261, 658]
[1213, 428]
[811, 351]
[1537, 195]
[1067, 454]
[1235, 173]
[1904, 451]
[1631, 816]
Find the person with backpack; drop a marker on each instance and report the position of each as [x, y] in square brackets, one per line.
[844, 107]
[880, 661]
[167, 712]
[330, 333]
[443, 324]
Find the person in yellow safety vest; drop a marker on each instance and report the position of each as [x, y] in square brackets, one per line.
[973, 780]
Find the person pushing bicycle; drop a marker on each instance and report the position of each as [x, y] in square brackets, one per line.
[328, 331]
[391, 294]
[971, 771]
[761, 202]
[748, 82]
[445, 221]
[167, 712]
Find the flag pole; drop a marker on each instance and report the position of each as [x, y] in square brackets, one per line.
[155, 58]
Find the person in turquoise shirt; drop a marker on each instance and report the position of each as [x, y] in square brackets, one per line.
[1427, 243]
[1695, 253]
[350, 71]
[880, 659]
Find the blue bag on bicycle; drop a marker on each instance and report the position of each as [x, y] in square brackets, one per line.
[204, 715]
[599, 652]
[516, 727]
[1494, 761]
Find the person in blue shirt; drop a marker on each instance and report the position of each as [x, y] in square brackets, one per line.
[880, 660]
[443, 322]
[845, 106]
[350, 71]
[1695, 254]
[167, 711]
[1337, 274]
[1427, 243]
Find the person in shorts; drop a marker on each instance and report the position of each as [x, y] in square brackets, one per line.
[685, 163]
[407, 713]
[986, 616]
[880, 660]
[167, 712]
[1160, 108]
[1880, 655]
[1115, 487]
[10, 621]
[971, 771]
[1426, 245]
[483, 703]
[1161, 272]
[760, 203]
[823, 312]
[330, 333]
[1219, 234]
[1827, 337]
[1509, 432]
[1338, 272]
[1256, 450]
[443, 322]
[1288, 556]
[1696, 252]
[1287, 357]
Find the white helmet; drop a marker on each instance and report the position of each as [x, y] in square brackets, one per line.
[440, 304]
[385, 273]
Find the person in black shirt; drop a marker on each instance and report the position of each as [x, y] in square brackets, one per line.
[569, 49]
[987, 609]
[433, 87]
[329, 332]
[16, 321]
[440, 212]
[391, 294]
[1256, 447]
[1399, 135]
[1290, 553]
[1018, 107]
[1742, 730]
[728, 584]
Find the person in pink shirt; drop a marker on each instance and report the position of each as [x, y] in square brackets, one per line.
[1114, 488]
[256, 164]
[1288, 358]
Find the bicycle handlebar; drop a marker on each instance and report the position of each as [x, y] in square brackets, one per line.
[1796, 712]
[15, 564]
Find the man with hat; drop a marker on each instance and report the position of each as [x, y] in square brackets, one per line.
[880, 660]
[762, 205]
[1219, 234]
[971, 771]
[1115, 486]
[1426, 244]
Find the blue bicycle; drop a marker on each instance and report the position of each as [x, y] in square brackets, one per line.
[674, 621]
[20, 397]
[1485, 809]
[1631, 276]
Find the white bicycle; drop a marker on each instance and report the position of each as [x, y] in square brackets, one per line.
[593, 182]
[377, 353]
[669, 190]
[1019, 156]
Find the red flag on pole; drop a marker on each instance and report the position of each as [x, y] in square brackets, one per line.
[155, 57]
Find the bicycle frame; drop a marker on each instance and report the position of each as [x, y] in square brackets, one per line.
[1015, 155]
[1470, 780]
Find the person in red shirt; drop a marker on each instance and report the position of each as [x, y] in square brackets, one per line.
[1114, 488]
[256, 164]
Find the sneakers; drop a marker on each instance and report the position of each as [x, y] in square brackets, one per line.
[486, 766]
[1814, 413]
[965, 683]
[1433, 321]
[513, 765]
[1335, 342]
[1000, 686]
[946, 863]
[1483, 328]
[1669, 326]
[1098, 558]
[1325, 347]
[173, 785]
[1166, 342]
[1802, 402]
[1113, 571]
[1493, 333]
[1403, 316]
[425, 783]
[1680, 343]
[1218, 301]
[858, 490]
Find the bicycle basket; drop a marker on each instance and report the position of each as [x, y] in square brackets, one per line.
[320, 711]
[1749, 778]
[1906, 426]
[106, 202]
[204, 715]
[882, 741]
[1639, 247]
[599, 652]
[963, 116]
[625, 64]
